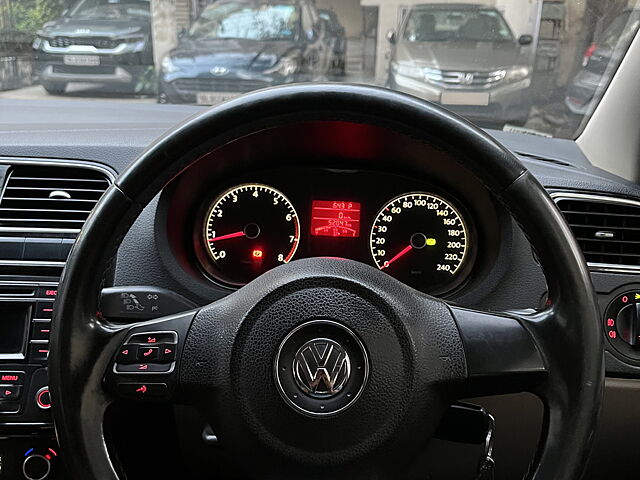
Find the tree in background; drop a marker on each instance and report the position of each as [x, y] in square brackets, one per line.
[29, 15]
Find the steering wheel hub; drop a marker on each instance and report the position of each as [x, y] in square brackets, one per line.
[321, 368]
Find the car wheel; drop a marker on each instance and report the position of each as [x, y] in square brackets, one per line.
[162, 98]
[341, 67]
[54, 88]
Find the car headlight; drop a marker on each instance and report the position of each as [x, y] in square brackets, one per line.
[517, 73]
[168, 66]
[287, 65]
[408, 70]
[37, 43]
[135, 44]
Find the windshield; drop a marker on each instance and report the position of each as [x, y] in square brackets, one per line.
[456, 25]
[87, 9]
[623, 26]
[256, 21]
[534, 67]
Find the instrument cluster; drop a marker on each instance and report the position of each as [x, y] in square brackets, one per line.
[416, 232]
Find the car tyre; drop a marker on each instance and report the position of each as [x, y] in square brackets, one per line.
[162, 98]
[341, 67]
[54, 88]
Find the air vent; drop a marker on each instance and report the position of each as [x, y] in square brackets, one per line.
[607, 229]
[50, 198]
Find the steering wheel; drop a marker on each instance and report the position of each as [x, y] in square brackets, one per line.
[390, 359]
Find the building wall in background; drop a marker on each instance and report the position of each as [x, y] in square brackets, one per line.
[523, 18]
[164, 28]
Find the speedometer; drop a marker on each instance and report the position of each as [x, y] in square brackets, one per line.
[422, 240]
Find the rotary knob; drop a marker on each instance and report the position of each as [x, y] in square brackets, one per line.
[36, 467]
[622, 324]
[628, 323]
[43, 398]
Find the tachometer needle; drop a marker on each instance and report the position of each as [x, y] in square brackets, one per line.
[404, 251]
[226, 237]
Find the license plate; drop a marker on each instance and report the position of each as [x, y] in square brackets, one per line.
[465, 98]
[82, 60]
[213, 98]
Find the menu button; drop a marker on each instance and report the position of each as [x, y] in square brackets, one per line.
[12, 378]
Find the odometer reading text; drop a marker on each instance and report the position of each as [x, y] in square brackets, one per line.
[334, 218]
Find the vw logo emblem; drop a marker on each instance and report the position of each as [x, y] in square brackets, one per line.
[219, 71]
[321, 367]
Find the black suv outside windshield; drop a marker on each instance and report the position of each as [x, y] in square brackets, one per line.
[239, 20]
[110, 9]
[440, 25]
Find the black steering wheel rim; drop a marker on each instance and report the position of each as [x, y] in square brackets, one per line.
[573, 386]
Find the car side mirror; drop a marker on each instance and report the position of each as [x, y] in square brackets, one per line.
[525, 40]
[391, 36]
[318, 30]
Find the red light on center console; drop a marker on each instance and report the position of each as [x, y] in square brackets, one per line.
[331, 218]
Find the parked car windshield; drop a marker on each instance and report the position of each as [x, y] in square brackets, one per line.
[453, 25]
[258, 21]
[535, 67]
[87, 9]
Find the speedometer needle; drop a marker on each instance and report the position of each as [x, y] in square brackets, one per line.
[225, 237]
[404, 251]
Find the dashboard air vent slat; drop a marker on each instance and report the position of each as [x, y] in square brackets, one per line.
[607, 229]
[42, 197]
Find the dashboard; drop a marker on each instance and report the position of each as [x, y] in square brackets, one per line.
[205, 236]
[440, 235]
[414, 231]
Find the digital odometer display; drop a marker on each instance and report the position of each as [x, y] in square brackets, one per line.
[421, 239]
[331, 218]
[249, 230]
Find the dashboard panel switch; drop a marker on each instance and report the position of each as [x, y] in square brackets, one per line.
[11, 378]
[142, 302]
[168, 352]
[10, 392]
[622, 323]
[142, 368]
[127, 354]
[148, 354]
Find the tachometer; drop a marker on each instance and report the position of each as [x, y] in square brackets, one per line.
[421, 239]
[248, 230]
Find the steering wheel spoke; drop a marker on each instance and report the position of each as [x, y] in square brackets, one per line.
[501, 351]
[146, 359]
